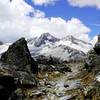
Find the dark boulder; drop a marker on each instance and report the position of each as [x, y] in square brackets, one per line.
[64, 69]
[92, 62]
[18, 54]
[17, 95]
[97, 48]
[4, 94]
[9, 83]
[25, 79]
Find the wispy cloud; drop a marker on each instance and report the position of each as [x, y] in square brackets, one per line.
[14, 23]
[44, 2]
[85, 3]
[97, 25]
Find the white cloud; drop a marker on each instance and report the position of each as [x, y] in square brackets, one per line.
[14, 23]
[44, 2]
[84, 3]
[39, 14]
[61, 28]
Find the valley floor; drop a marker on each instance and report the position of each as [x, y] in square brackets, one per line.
[63, 86]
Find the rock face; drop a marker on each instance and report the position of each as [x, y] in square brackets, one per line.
[19, 55]
[7, 86]
[8, 82]
[93, 66]
[4, 93]
[44, 38]
[97, 46]
[17, 69]
[93, 58]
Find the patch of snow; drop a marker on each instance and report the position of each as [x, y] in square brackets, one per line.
[65, 97]
[4, 47]
[94, 40]
[98, 78]
[80, 46]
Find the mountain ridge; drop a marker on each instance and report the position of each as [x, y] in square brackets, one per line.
[61, 48]
[48, 45]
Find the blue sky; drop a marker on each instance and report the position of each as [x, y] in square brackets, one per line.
[80, 18]
[90, 16]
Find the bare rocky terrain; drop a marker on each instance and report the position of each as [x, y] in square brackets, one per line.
[24, 78]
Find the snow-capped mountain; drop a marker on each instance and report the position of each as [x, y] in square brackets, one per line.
[75, 43]
[4, 47]
[43, 40]
[66, 48]
[94, 40]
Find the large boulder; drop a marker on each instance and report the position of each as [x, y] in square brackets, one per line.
[93, 58]
[8, 85]
[18, 54]
[4, 94]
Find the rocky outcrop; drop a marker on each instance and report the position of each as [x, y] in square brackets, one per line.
[17, 71]
[4, 94]
[97, 46]
[8, 85]
[93, 66]
[93, 58]
[18, 54]
[18, 63]
[44, 38]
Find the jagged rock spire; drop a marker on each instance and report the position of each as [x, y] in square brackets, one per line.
[18, 54]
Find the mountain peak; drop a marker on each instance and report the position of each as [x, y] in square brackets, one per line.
[75, 40]
[46, 34]
[45, 38]
[69, 37]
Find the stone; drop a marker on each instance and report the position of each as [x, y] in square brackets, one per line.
[97, 46]
[36, 94]
[26, 80]
[66, 85]
[64, 69]
[9, 83]
[68, 97]
[17, 95]
[94, 92]
[4, 94]
[92, 62]
[18, 54]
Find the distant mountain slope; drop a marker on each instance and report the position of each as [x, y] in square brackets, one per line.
[66, 48]
[43, 40]
[75, 43]
[4, 47]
